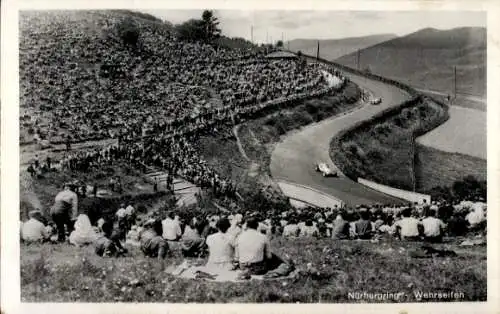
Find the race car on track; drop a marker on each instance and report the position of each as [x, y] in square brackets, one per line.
[325, 170]
[376, 101]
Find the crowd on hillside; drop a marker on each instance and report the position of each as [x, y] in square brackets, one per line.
[175, 155]
[243, 237]
[90, 86]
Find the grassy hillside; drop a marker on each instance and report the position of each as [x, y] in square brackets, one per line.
[331, 49]
[49, 273]
[435, 168]
[425, 59]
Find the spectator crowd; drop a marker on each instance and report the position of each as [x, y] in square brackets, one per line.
[241, 238]
[85, 84]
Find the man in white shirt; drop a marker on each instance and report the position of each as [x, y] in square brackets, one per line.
[64, 212]
[433, 227]
[34, 230]
[291, 230]
[171, 228]
[252, 249]
[407, 226]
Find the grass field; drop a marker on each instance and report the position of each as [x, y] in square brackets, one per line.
[62, 273]
[437, 168]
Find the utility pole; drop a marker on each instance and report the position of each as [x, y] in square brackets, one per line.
[288, 44]
[357, 59]
[317, 53]
[251, 33]
[267, 37]
[454, 82]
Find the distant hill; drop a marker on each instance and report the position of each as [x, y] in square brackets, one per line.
[426, 58]
[332, 49]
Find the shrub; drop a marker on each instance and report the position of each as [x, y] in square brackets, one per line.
[375, 155]
[382, 129]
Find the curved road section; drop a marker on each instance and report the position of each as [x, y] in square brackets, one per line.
[293, 160]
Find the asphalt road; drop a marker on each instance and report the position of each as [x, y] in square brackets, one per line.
[294, 158]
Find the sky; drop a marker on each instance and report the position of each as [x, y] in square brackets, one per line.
[273, 25]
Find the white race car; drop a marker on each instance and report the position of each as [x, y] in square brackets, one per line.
[325, 170]
[375, 101]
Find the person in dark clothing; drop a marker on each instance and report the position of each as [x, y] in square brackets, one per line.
[109, 245]
[363, 226]
[152, 243]
[457, 225]
[31, 170]
[155, 185]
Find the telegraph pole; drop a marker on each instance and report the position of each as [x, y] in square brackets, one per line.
[267, 37]
[317, 53]
[454, 82]
[251, 33]
[357, 59]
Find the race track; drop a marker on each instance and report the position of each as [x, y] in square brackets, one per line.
[293, 158]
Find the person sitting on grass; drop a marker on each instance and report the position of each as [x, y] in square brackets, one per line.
[309, 230]
[457, 225]
[171, 228]
[433, 227]
[34, 230]
[252, 249]
[291, 229]
[192, 243]
[152, 242]
[407, 227]
[340, 228]
[83, 233]
[363, 227]
[105, 246]
[220, 246]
